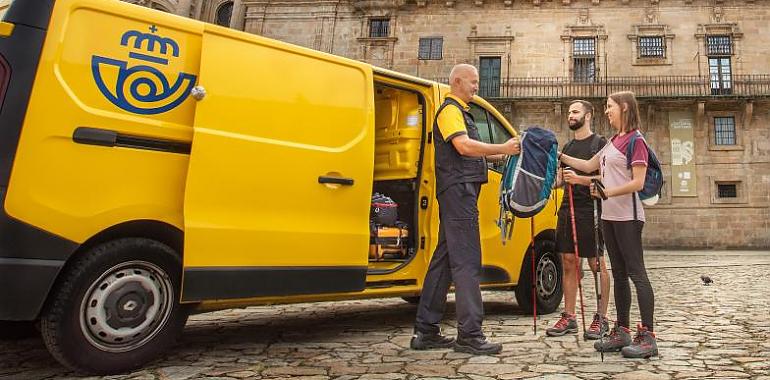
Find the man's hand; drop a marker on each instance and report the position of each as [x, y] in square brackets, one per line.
[573, 179]
[512, 146]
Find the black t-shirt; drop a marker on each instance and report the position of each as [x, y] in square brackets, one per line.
[583, 149]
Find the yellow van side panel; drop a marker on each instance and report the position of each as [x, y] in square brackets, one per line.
[398, 133]
[76, 190]
[274, 120]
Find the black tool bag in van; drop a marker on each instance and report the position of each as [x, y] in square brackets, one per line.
[384, 211]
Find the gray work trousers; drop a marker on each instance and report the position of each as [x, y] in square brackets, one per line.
[457, 259]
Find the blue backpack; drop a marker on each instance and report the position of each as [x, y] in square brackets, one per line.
[653, 181]
[528, 178]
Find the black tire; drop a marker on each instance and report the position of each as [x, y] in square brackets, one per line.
[414, 300]
[13, 330]
[549, 279]
[116, 307]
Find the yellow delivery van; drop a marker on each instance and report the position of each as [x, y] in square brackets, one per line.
[152, 166]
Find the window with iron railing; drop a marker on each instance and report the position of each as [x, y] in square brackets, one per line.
[724, 130]
[379, 27]
[719, 49]
[584, 59]
[430, 48]
[652, 47]
[719, 45]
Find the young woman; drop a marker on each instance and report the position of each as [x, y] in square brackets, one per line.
[622, 223]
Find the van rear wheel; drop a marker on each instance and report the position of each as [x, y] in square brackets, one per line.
[548, 277]
[116, 307]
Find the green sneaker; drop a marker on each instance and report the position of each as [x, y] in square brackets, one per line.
[643, 346]
[565, 325]
[619, 337]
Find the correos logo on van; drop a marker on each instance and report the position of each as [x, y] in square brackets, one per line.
[143, 88]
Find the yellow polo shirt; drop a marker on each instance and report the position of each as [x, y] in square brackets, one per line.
[450, 121]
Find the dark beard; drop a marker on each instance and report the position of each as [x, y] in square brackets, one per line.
[578, 124]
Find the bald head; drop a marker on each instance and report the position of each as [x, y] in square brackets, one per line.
[464, 81]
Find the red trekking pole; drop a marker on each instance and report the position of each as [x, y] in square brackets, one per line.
[577, 257]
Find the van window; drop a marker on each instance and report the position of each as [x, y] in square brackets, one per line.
[499, 133]
[482, 123]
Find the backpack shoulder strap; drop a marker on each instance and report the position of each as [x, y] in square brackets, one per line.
[595, 144]
[630, 147]
[569, 144]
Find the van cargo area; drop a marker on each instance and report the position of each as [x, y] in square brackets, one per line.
[399, 127]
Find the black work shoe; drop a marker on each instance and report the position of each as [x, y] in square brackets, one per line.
[421, 341]
[477, 346]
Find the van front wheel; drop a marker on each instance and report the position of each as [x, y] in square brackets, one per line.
[548, 277]
[116, 307]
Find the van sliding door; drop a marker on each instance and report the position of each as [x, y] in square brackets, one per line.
[280, 176]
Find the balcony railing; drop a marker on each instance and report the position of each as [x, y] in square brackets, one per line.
[668, 86]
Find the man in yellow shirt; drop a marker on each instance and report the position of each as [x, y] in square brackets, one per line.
[461, 169]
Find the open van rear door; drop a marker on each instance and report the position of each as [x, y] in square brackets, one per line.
[280, 176]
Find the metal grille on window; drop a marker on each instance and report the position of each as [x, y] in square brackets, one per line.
[724, 130]
[727, 190]
[584, 59]
[225, 13]
[719, 45]
[652, 47]
[430, 48]
[379, 27]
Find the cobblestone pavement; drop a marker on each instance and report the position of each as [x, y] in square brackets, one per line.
[717, 331]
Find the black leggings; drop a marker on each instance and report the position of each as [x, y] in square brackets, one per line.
[624, 246]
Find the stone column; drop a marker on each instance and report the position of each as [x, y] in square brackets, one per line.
[236, 20]
[183, 7]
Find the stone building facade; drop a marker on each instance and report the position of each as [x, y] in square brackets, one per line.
[700, 68]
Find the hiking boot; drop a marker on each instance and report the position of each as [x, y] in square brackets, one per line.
[565, 324]
[477, 346]
[422, 341]
[599, 326]
[619, 337]
[643, 346]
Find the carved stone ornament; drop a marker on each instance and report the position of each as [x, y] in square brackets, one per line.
[583, 18]
[717, 15]
[651, 16]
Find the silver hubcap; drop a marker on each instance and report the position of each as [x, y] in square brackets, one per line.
[547, 277]
[127, 306]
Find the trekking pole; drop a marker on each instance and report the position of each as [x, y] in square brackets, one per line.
[534, 275]
[598, 274]
[577, 258]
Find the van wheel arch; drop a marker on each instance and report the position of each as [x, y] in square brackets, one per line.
[150, 229]
[548, 263]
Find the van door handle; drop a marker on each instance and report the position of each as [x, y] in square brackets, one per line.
[335, 180]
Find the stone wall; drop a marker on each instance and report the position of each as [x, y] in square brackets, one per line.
[533, 39]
